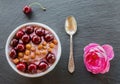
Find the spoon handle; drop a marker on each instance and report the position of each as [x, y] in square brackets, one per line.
[71, 65]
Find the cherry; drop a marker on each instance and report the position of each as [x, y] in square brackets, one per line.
[48, 37]
[20, 47]
[43, 66]
[27, 9]
[40, 32]
[26, 38]
[12, 53]
[32, 68]
[29, 29]
[36, 39]
[21, 66]
[50, 58]
[46, 32]
[19, 34]
[14, 42]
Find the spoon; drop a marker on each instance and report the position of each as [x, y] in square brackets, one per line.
[71, 28]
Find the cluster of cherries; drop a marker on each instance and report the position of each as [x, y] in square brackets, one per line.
[24, 36]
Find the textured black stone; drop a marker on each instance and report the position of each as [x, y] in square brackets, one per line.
[98, 21]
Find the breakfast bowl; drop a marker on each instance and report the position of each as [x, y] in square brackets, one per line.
[33, 49]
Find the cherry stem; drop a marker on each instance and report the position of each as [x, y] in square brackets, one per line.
[36, 3]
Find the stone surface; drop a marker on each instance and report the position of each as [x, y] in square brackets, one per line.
[98, 21]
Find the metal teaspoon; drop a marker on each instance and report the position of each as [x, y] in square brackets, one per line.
[71, 28]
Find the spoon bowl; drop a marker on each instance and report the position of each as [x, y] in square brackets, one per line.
[70, 25]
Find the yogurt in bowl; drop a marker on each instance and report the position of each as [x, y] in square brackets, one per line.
[33, 49]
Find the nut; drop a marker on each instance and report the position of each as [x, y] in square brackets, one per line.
[44, 43]
[28, 46]
[26, 58]
[45, 47]
[44, 52]
[15, 61]
[32, 49]
[20, 55]
[37, 53]
[40, 47]
[55, 41]
[32, 56]
[27, 52]
[51, 45]
[49, 49]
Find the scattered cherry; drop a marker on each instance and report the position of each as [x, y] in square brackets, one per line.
[19, 34]
[20, 47]
[40, 32]
[48, 37]
[26, 38]
[32, 68]
[12, 53]
[50, 58]
[29, 29]
[36, 39]
[21, 66]
[27, 9]
[43, 66]
[14, 42]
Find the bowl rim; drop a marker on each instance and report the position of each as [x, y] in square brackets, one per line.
[13, 65]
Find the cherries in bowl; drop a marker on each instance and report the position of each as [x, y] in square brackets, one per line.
[33, 49]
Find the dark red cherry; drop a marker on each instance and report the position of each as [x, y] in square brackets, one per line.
[36, 39]
[40, 31]
[48, 37]
[21, 66]
[32, 68]
[26, 38]
[27, 9]
[19, 34]
[43, 66]
[20, 41]
[20, 47]
[12, 53]
[14, 42]
[29, 29]
[50, 58]
[46, 32]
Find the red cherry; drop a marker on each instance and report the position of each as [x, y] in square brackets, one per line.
[20, 47]
[27, 9]
[14, 42]
[26, 38]
[32, 68]
[12, 53]
[48, 37]
[50, 58]
[43, 66]
[40, 32]
[21, 66]
[29, 29]
[46, 32]
[36, 39]
[19, 34]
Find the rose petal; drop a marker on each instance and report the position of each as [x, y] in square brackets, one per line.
[109, 51]
[107, 67]
[89, 46]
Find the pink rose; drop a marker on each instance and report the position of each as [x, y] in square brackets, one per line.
[97, 58]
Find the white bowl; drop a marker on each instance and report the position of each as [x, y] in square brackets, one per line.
[37, 74]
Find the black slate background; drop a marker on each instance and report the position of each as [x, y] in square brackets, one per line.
[98, 21]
